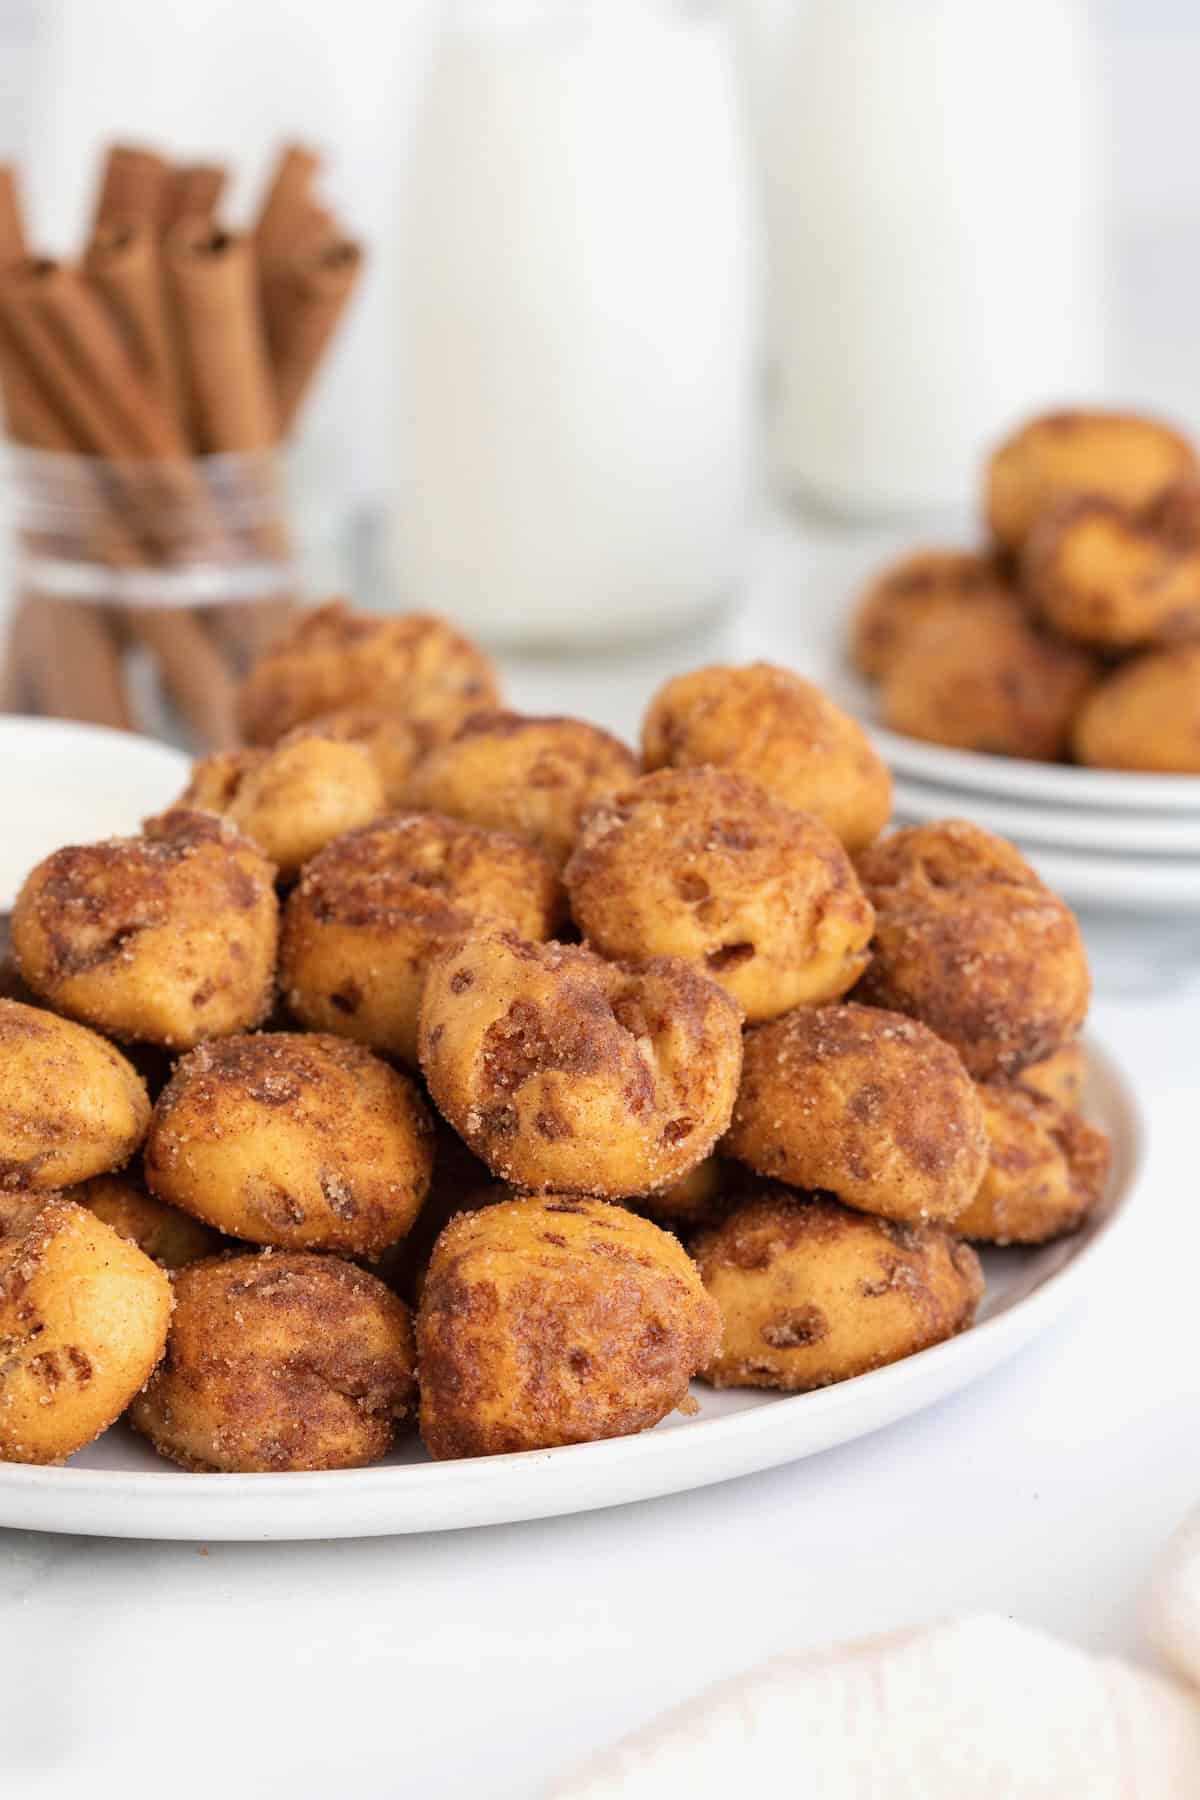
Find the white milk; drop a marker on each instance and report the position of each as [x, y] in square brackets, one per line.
[575, 327]
[937, 243]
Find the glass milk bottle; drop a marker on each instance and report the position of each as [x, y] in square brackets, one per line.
[575, 325]
[937, 242]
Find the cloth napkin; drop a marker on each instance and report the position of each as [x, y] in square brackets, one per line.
[980, 1706]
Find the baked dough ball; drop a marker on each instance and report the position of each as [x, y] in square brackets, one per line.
[1115, 579]
[555, 1321]
[908, 591]
[413, 663]
[279, 1361]
[1145, 715]
[12, 984]
[1046, 1170]
[290, 800]
[371, 910]
[865, 1104]
[1059, 1076]
[1118, 456]
[532, 777]
[83, 1321]
[705, 865]
[562, 1071]
[70, 1105]
[461, 1183]
[766, 723]
[394, 744]
[169, 938]
[169, 1237]
[971, 942]
[980, 677]
[699, 1198]
[307, 1142]
[811, 1293]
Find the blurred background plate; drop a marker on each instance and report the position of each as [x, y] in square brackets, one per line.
[1085, 828]
[118, 1487]
[71, 784]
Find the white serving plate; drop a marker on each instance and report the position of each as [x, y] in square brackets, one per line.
[1091, 829]
[118, 1488]
[813, 640]
[64, 783]
[1146, 884]
[1137, 884]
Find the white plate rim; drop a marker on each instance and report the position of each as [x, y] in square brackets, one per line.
[142, 770]
[1146, 884]
[1051, 783]
[396, 1500]
[1154, 836]
[819, 652]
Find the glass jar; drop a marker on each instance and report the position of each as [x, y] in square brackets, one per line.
[143, 590]
[576, 325]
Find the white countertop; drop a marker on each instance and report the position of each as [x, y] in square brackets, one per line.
[493, 1659]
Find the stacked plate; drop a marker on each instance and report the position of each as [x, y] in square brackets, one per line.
[1101, 838]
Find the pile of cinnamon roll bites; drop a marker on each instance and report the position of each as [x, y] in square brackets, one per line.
[430, 1062]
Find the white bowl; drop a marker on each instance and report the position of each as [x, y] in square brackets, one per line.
[64, 783]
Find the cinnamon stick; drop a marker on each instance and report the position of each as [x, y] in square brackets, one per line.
[211, 277]
[61, 328]
[133, 184]
[16, 693]
[76, 664]
[307, 300]
[193, 670]
[192, 192]
[12, 228]
[124, 265]
[287, 200]
[33, 422]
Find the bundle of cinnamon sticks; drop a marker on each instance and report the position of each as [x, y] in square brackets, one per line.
[146, 389]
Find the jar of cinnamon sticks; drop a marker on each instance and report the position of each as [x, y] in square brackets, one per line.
[148, 391]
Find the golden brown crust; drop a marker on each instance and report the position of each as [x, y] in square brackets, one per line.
[978, 676]
[394, 743]
[555, 1321]
[864, 1104]
[1118, 456]
[372, 909]
[304, 1141]
[83, 1321]
[279, 1361]
[168, 1237]
[811, 1293]
[968, 940]
[700, 1197]
[1118, 579]
[705, 865]
[71, 1106]
[461, 1183]
[565, 1072]
[334, 657]
[1146, 715]
[168, 938]
[910, 590]
[1060, 1076]
[1046, 1170]
[770, 725]
[531, 777]
[290, 800]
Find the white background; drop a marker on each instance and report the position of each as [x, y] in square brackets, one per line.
[491, 1660]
